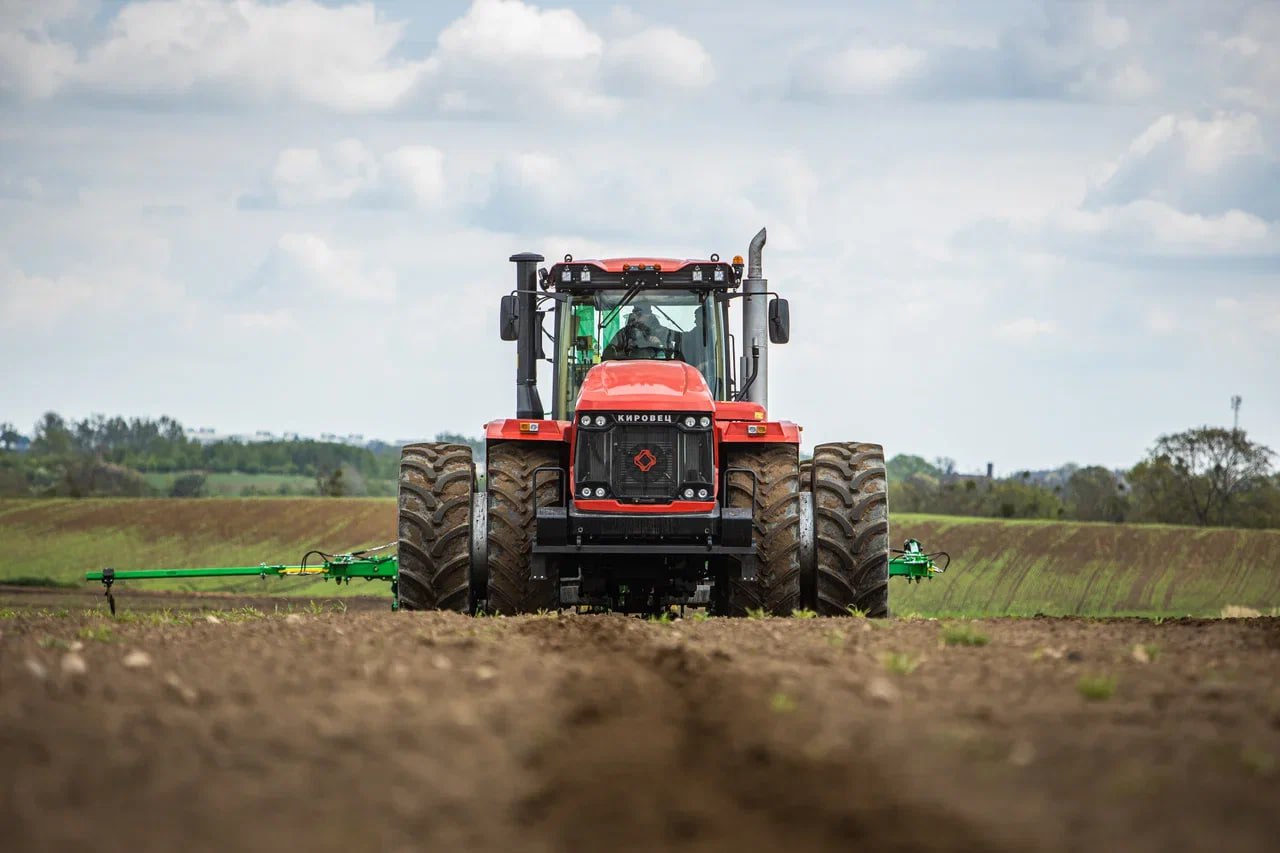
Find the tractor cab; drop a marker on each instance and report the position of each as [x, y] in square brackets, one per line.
[639, 309]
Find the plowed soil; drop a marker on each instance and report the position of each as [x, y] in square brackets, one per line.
[363, 730]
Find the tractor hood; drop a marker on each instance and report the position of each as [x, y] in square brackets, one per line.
[660, 386]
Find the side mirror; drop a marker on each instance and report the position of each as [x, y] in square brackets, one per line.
[779, 321]
[508, 326]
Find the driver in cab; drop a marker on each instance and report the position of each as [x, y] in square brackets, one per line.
[643, 336]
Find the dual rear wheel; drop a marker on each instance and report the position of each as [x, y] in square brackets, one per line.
[820, 529]
[437, 489]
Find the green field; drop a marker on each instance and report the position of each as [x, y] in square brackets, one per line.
[998, 567]
[1021, 568]
[60, 539]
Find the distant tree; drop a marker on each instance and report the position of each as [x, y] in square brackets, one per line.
[52, 437]
[476, 444]
[353, 483]
[9, 436]
[330, 483]
[191, 485]
[1016, 497]
[903, 466]
[946, 466]
[1095, 494]
[1260, 506]
[1199, 476]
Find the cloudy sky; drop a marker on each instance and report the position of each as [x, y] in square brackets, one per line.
[1025, 232]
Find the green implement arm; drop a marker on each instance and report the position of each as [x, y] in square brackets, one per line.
[339, 567]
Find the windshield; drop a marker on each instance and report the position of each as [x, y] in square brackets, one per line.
[666, 324]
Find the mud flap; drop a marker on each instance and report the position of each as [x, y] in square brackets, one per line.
[479, 573]
[808, 554]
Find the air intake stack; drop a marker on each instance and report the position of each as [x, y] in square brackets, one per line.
[528, 340]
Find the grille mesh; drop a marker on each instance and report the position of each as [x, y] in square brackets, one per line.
[629, 480]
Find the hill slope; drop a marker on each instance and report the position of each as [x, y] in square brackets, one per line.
[998, 567]
[1062, 568]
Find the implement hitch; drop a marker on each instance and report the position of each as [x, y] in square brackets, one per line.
[339, 567]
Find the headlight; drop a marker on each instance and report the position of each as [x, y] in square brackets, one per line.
[600, 492]
[586, 493]
[585, 420]
[688, 494]
[705, 422]
[599, 420]
[690, 421]
[702, 493]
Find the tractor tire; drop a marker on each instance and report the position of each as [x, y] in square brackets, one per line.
[775, 528]
[851, 529]
[511, 525]
[435, 527]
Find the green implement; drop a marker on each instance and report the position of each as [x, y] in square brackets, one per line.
[914, 564]
[911, 562]
[339, 567]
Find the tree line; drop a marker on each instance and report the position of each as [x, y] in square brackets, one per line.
[101, 456]
[1208, 476]
[1203, 476]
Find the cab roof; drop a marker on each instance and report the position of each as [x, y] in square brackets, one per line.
[593, 274]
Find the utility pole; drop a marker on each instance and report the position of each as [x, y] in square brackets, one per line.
[1236, 400]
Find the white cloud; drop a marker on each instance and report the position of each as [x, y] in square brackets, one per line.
[617, 195]
[418, 170]
[1080, 51]
[42, 15]
[1024, 329]
[1161, 321]
[857, 70]
[660, 58]
[505, 54]
[1203, 165]
[32, 65]
[499, 56]
[1260, 313]
[1246, 62]
[308, 176]
[336, 57]
[1145, 228]
[36, 302]
[1185, 187]
[122, 278]
[308, 262]
[348, 171]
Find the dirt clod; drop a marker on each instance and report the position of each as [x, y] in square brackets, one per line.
[881, 690]
[137, 659]
[73, 664]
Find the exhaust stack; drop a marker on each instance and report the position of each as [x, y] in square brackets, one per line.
[529, 334]
[755, 326]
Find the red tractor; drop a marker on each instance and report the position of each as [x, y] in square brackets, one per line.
[658, 479]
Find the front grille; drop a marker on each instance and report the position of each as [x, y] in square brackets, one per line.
[649, 527]
[644, 462]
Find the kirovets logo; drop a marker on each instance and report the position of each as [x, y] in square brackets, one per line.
[645, 460]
